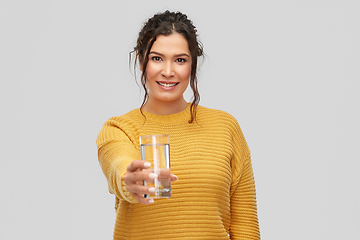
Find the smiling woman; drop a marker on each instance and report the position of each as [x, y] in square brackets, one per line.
[214, 197]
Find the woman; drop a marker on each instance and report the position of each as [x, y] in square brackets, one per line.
[213, 189]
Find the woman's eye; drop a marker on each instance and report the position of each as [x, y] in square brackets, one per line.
[156, 58]
[181, 60]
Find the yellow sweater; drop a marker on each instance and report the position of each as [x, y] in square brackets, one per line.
[214, 197]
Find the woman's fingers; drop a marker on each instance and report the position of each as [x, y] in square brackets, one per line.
[140, 198]
[134, 171]
[137, 164]
[135, 176]
[173, 177]
[139, 176]
[136, 168]
[138, 191]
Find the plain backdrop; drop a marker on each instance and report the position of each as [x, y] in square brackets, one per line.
[287, 70]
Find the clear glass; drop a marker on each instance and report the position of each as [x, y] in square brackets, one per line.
[155, 149]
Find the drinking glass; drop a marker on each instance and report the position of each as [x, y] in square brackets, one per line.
[155, 149]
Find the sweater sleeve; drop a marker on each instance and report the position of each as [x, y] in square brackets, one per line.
[244, 220]
[116, 150]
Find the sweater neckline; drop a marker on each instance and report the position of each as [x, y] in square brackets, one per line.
[171, 118]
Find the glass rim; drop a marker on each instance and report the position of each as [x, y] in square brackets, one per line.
[154, 136]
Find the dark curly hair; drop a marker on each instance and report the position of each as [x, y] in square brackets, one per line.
[165, 24]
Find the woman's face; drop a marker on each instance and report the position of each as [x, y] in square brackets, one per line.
[168, 70]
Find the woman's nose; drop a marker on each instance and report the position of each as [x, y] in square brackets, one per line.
[168, 70]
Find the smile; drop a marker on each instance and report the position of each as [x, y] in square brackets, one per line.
[167, 84]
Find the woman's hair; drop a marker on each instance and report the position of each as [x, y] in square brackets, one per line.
[165, 24]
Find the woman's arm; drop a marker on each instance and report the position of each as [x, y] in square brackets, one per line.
[118, 155]
[115, 153]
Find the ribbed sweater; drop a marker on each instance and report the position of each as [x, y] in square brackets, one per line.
[214, 197]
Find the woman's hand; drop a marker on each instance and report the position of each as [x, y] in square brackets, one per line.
[134, 178]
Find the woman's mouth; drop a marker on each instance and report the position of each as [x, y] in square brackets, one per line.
[167, 84]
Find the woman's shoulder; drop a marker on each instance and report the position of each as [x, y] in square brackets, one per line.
[119, 127]
[215, 117]
[130, 119]
[219, 119]
[214, 114]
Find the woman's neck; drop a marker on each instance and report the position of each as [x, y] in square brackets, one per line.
[165, 108]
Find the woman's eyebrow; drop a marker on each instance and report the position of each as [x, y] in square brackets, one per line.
[182, 55]
[177, 55]
[153, 52]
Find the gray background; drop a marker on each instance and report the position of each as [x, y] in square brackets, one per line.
[287, 70]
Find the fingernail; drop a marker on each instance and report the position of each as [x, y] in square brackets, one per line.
[151, 200]
[175, 177]
[152, 189]
[153, 175]
[147, 164]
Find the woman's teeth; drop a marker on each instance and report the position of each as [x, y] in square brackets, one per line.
[168, 84]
